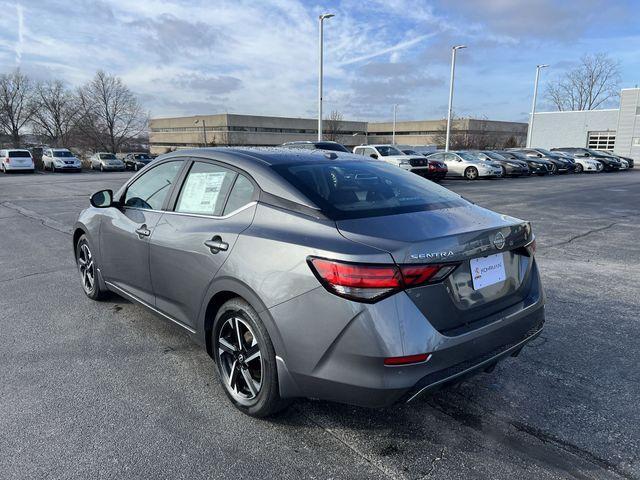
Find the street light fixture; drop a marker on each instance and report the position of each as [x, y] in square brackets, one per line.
[321, 19]
[453, 72]
[204, 130]
[533, 105]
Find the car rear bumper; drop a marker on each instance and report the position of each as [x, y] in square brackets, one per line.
[19, 168]
[349, 368]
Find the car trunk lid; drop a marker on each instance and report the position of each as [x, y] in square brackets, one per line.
[452, 235]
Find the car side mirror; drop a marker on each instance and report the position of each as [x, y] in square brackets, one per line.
[587, 154]
[374, 155]
[102, 199]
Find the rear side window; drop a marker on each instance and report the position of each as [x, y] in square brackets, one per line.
[205, 189]
[150, 190]
[349, 189]
[19, 154]
[241, 194]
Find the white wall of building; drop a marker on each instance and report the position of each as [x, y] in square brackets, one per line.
[571, 129]
[628, 128]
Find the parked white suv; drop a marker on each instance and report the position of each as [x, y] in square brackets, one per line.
[390, 154]
[16, 160]
[59, 159]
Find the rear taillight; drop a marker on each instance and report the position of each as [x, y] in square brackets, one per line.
[372, 282]
[407, 360]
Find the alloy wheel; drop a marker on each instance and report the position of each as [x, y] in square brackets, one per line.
[86, 267]
[471, 173]
[240, 360]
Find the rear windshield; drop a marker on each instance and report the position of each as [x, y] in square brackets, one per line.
[19, 154]
[62, 153]
[334, 147]
[357, 189]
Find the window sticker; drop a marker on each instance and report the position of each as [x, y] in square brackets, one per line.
[201, 192]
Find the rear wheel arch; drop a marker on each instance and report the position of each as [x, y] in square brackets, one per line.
[224, 290]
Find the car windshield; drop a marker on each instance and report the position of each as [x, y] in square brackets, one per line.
[142, 156]
[359, 189]
[19, 154]
[410, 152]
[494, 156]
[472, 157]
[546, 153]
[62, 153]
[107, 156]
[387, 150]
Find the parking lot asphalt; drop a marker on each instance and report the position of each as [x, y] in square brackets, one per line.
[108, 390]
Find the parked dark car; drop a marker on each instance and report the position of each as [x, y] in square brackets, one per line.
[510, 167]
[537, 166]
[437, 169]
[136, 161]
[323, 145]
[609, 163]
[629, 160]
[305, 274]
[561, 164]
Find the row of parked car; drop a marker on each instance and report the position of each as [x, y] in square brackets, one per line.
[474, 164]
[63, 160]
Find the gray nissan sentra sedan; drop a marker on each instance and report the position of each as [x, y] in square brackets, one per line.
[315, 274]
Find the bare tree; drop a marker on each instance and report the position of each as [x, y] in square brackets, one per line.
[333, 126]
[16, 104]
[110, 114]
[594, 82]
[56, 113]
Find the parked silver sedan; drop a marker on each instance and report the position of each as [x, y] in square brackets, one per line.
[468, 165]
[106, 161]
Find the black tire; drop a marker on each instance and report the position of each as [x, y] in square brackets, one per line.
[471, 173]
[578, 169]
[504, 171]
[554, 169]
[237, 315]
[93, 290]
[135, 167]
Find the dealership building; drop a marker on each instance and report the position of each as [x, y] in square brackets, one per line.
[167, 134]
[616, 130]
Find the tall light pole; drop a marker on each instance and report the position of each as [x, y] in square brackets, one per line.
[533, 105]
[393, 134]
[453, 73]
[204, 130]
[321, 19]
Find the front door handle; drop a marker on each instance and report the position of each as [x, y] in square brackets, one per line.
[216, 244]
[143, 231]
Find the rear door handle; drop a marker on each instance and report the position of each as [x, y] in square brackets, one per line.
[143, 231]
[216, 244]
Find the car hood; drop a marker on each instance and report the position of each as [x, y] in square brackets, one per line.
[446, 234]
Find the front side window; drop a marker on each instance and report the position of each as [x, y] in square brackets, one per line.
[205, 189]
[357, 189]
[151, 189]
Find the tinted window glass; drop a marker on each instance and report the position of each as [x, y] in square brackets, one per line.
[205, 189]
[241, 194]
[348, 189]
[334, 147]
[107, 156]
[150, 190]
[19, 154]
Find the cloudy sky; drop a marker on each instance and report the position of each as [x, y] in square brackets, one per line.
[260, 57]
